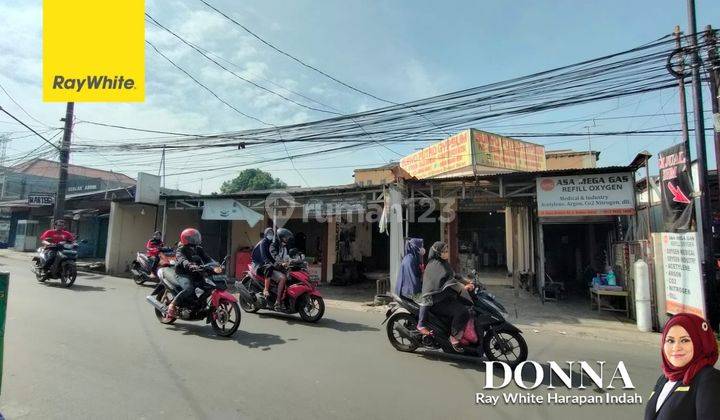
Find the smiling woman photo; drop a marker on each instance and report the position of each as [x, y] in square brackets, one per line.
[690, 386]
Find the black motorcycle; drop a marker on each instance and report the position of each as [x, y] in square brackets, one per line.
[65, 269]
[497, 338]
[212, 303]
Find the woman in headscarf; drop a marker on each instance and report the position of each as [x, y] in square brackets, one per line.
[446, 302]
[410, 275]
[690, 386]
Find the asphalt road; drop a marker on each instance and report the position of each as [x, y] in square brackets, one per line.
[97, 351]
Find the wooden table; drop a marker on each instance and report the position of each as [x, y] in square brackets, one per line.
[596, 300]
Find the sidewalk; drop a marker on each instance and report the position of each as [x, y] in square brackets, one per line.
[568, 318]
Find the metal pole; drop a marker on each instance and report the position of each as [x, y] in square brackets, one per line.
[64, 160]
[681, 89]
[714, 60]
[4, 284]
[705, 214]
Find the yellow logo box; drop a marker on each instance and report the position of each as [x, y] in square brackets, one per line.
[94, 51]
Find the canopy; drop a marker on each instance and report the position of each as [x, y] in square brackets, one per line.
[229, 209]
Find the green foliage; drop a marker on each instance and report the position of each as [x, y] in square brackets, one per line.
[251, 180]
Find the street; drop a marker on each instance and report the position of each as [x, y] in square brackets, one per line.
[97, 351]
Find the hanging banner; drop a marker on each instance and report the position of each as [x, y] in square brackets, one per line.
[677, 189]
[683, 279]
[586, 195]
[229, 209]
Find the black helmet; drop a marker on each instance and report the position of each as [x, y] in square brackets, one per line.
[284, 235]
[157, 234]
[269, 234]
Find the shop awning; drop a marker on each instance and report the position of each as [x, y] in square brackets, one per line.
[229, 209]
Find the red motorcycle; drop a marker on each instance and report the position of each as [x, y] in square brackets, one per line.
[301, 295]
[212, 303]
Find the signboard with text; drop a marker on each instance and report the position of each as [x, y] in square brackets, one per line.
[448, 155]
[683, 281]
[506, 153]
[677, 189]
[41, 199]
[586, 195]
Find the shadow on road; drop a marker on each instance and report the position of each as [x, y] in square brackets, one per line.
[323, 323]
[261, 341]
[77, 287]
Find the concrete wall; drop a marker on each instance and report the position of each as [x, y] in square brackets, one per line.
[374, 177]
[177, 221]
[129, 228]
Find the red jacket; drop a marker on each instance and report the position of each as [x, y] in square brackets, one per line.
[55, 236]
[153, 247]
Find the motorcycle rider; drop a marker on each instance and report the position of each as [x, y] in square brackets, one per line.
[50, 240]
[267, 255]
[279, 255]
[153, 246]
[188, 257]
[259, 257]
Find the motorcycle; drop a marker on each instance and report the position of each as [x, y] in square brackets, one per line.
[496, 338]
[141, 268]
[301, 295]
[66, 269]
[213, 302]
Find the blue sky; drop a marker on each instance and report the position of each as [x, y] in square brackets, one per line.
[399, 50]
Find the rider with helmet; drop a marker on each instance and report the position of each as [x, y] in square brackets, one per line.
[268, 255]
[50, 240]
[260, 256]
[278, 256]
[153, 246]
[188, 257]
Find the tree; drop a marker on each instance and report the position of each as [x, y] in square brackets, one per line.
[251, 180]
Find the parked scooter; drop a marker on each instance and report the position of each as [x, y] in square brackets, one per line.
[213, 302]
[141, 268]
[301, 295]
[66, 268]
[495, 337]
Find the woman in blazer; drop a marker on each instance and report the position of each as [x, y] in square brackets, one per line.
[689, 388]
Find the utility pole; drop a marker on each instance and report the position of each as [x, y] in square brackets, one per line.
[64, 161]
[714, 62]
[681, 95]
[3, 154]
[704, 215]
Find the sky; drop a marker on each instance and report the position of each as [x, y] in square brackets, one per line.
[399, 50]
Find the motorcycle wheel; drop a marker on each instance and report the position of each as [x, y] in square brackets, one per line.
[505, 346]
[166, 300]
[139, 280]
[38, 272]
[311, 308]
[248, 307]
[224, 323]
[396, 339]
[68, 275]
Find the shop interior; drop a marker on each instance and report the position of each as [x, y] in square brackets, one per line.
[575, 253]
[481, 242]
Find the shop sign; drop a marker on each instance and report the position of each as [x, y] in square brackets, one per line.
[683, 280]
[451, 154]
[506, 153]
[586, 195]
[229, 209]
[677, 188]
[41, 199]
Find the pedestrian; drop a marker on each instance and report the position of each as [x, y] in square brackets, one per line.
[690, 385]
[409, 279]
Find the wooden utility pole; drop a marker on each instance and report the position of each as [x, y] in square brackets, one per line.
[64, 161]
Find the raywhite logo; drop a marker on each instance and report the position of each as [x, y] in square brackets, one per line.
[93, 83]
